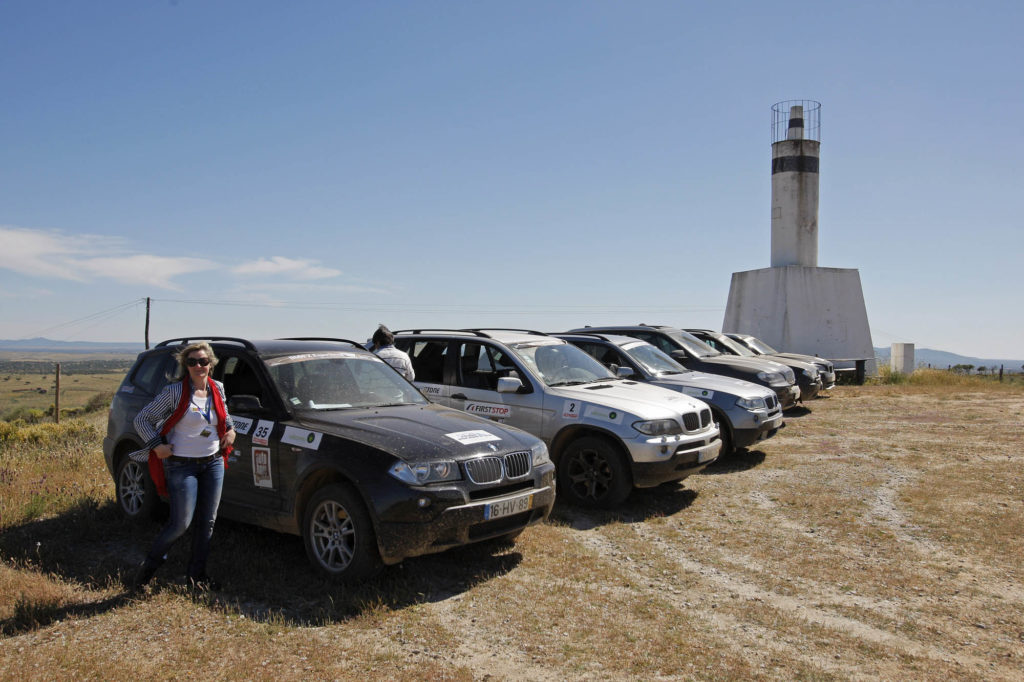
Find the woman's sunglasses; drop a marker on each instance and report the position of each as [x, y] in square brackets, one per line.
[192, 362]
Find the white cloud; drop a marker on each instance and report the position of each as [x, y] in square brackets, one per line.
[296, 268]
[84, 258]
[146, 269]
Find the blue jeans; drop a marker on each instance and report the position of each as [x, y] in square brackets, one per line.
[194, 489]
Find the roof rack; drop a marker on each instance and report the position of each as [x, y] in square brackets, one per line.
[474, 332]
[508, 329]
[184, 341]
[602, 337]
[322, 338]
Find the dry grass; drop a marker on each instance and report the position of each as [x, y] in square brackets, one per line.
[24, 394]
[878, 536]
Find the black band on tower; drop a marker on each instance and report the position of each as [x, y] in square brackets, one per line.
[798, 164]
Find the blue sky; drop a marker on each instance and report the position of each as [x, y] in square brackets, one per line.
[313, 168]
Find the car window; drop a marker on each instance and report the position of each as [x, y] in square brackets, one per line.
[332, 380]
[481, 365]
[656, 340]
[154, 372]
[606, 355]
[654, 360]
[240, 378]
[562, 364]
[427, 358]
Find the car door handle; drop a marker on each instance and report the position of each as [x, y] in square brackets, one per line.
[459, 396]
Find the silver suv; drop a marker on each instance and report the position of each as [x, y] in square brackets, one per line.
[746, 412]
[606, 434]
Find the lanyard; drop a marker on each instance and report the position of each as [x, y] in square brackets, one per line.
[205, 412]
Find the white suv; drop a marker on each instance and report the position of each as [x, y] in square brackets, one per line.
[605, 433]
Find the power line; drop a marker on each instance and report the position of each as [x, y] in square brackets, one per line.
[96, 318]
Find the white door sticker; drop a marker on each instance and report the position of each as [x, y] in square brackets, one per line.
[301, 437]
[242, 425]
[603, 414]
[470, 437]
[699, 392]
[261, 436]
[262, 477]
[571, 409]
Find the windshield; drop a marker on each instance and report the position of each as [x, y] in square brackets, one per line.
[735, 346]
[338, 380]
[562, 364]
[653, 360]
[692, 344]
[760, 346]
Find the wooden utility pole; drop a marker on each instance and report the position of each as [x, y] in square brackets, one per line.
[56, 399]
[147, 322]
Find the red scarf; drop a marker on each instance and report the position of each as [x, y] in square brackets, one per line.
[156, 468]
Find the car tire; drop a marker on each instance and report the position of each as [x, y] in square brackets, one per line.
[338, 534]
[136, 494]
[725, 433]
[593, 473]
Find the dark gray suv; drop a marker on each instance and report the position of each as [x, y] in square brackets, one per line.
[334, 445]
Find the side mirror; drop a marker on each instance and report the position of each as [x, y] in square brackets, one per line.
[244, 403]
[509, 384]
[623, 371]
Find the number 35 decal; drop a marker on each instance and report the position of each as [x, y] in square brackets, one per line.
[261, 434]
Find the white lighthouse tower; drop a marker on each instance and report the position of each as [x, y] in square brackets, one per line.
[795, 305]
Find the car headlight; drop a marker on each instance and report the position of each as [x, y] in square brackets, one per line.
[788, 375]
[811, 374]
[752, 403]
[540, 454]
[773, 378]
[421, 473]
[658, 427]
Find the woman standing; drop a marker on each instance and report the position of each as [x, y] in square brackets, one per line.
[189, 435]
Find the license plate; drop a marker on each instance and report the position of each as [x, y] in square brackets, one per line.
[497, 510]
[773, 422]
[706, 454]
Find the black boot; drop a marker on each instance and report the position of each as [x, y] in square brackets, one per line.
[146, 572]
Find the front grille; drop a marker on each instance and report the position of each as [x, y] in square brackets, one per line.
[484, 470]
[771, 401]
[493, 469]
[517, 464]
[695, 421]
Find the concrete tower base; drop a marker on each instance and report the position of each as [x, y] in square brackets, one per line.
[799, 309]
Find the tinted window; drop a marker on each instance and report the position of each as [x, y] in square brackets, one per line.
[154, 372]
[480, 366]
[427, 358]
[240, 378]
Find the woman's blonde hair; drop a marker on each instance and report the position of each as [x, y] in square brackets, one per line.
[182, 357]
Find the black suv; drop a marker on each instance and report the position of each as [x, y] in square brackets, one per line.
[332, 444]
[695, 355]
[806, 373]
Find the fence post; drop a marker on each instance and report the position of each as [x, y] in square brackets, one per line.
[56, 399]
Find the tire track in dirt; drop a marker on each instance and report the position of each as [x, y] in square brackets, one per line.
[795, 607]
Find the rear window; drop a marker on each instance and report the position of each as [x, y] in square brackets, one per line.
[154, 372]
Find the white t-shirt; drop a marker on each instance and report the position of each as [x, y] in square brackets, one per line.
[195, 434]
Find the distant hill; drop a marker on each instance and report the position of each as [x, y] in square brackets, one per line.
[41, 345]
[940, 359]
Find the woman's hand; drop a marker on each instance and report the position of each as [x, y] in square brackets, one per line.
[163, 451]
[227, 440]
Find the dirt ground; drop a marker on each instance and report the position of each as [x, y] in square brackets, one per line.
[880, 535]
